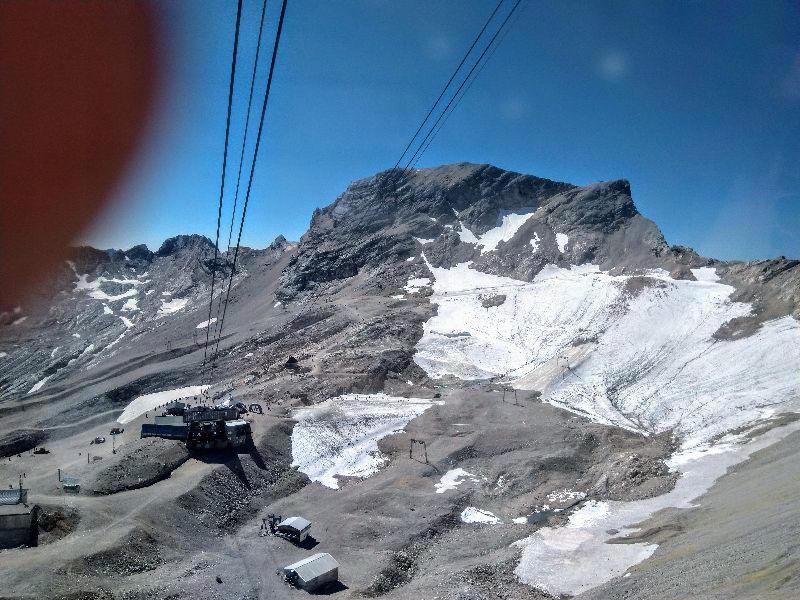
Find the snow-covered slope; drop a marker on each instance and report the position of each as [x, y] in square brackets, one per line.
[650, 351]
[639, 352]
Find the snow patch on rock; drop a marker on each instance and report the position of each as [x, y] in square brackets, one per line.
[705, 274]
[173, 306]
[205, 324]
[452, 479]
[507, 227]
[478, 515]
[94, 288]
[562, 239]
[39, 384]
[565, 495]
[339, 437]
[415, 284]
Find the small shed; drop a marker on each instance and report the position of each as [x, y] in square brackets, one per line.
[70, 484]
[295, 528]
[18, 525]
[313, 572]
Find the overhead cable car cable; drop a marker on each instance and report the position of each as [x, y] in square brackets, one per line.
[452, 99]
[469, 85]
[252, 172]
[224, 167]
[244, 140]
[447, 85]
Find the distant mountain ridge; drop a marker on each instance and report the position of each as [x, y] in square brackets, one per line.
[368, 243]
[379, 220]
[99, 300]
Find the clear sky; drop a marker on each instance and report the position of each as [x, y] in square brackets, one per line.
[696, 103]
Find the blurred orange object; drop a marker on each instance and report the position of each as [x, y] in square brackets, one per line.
[77, 84]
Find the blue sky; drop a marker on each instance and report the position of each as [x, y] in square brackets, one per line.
[696, 103]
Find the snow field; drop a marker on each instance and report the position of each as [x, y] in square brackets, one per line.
[339, 437]
[638, 354]
[142, 404]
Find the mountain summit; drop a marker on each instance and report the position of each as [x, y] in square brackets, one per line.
[452, 207]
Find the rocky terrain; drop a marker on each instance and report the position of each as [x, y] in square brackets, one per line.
[562, 363]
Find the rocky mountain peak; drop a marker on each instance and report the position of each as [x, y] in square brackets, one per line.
[140, 252]
[182, 242]
[279, 243]
[448, 209]
[473, 192]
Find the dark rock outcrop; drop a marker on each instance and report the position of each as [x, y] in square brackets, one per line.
[182, 242]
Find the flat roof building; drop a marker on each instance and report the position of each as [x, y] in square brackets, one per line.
[313, 572]
[168, 420]
[18, 520]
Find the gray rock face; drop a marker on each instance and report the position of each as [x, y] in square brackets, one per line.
[102, 301]
[383, 220]
[183, 242]
[376, 220]
[140, 253]
[773, 286]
